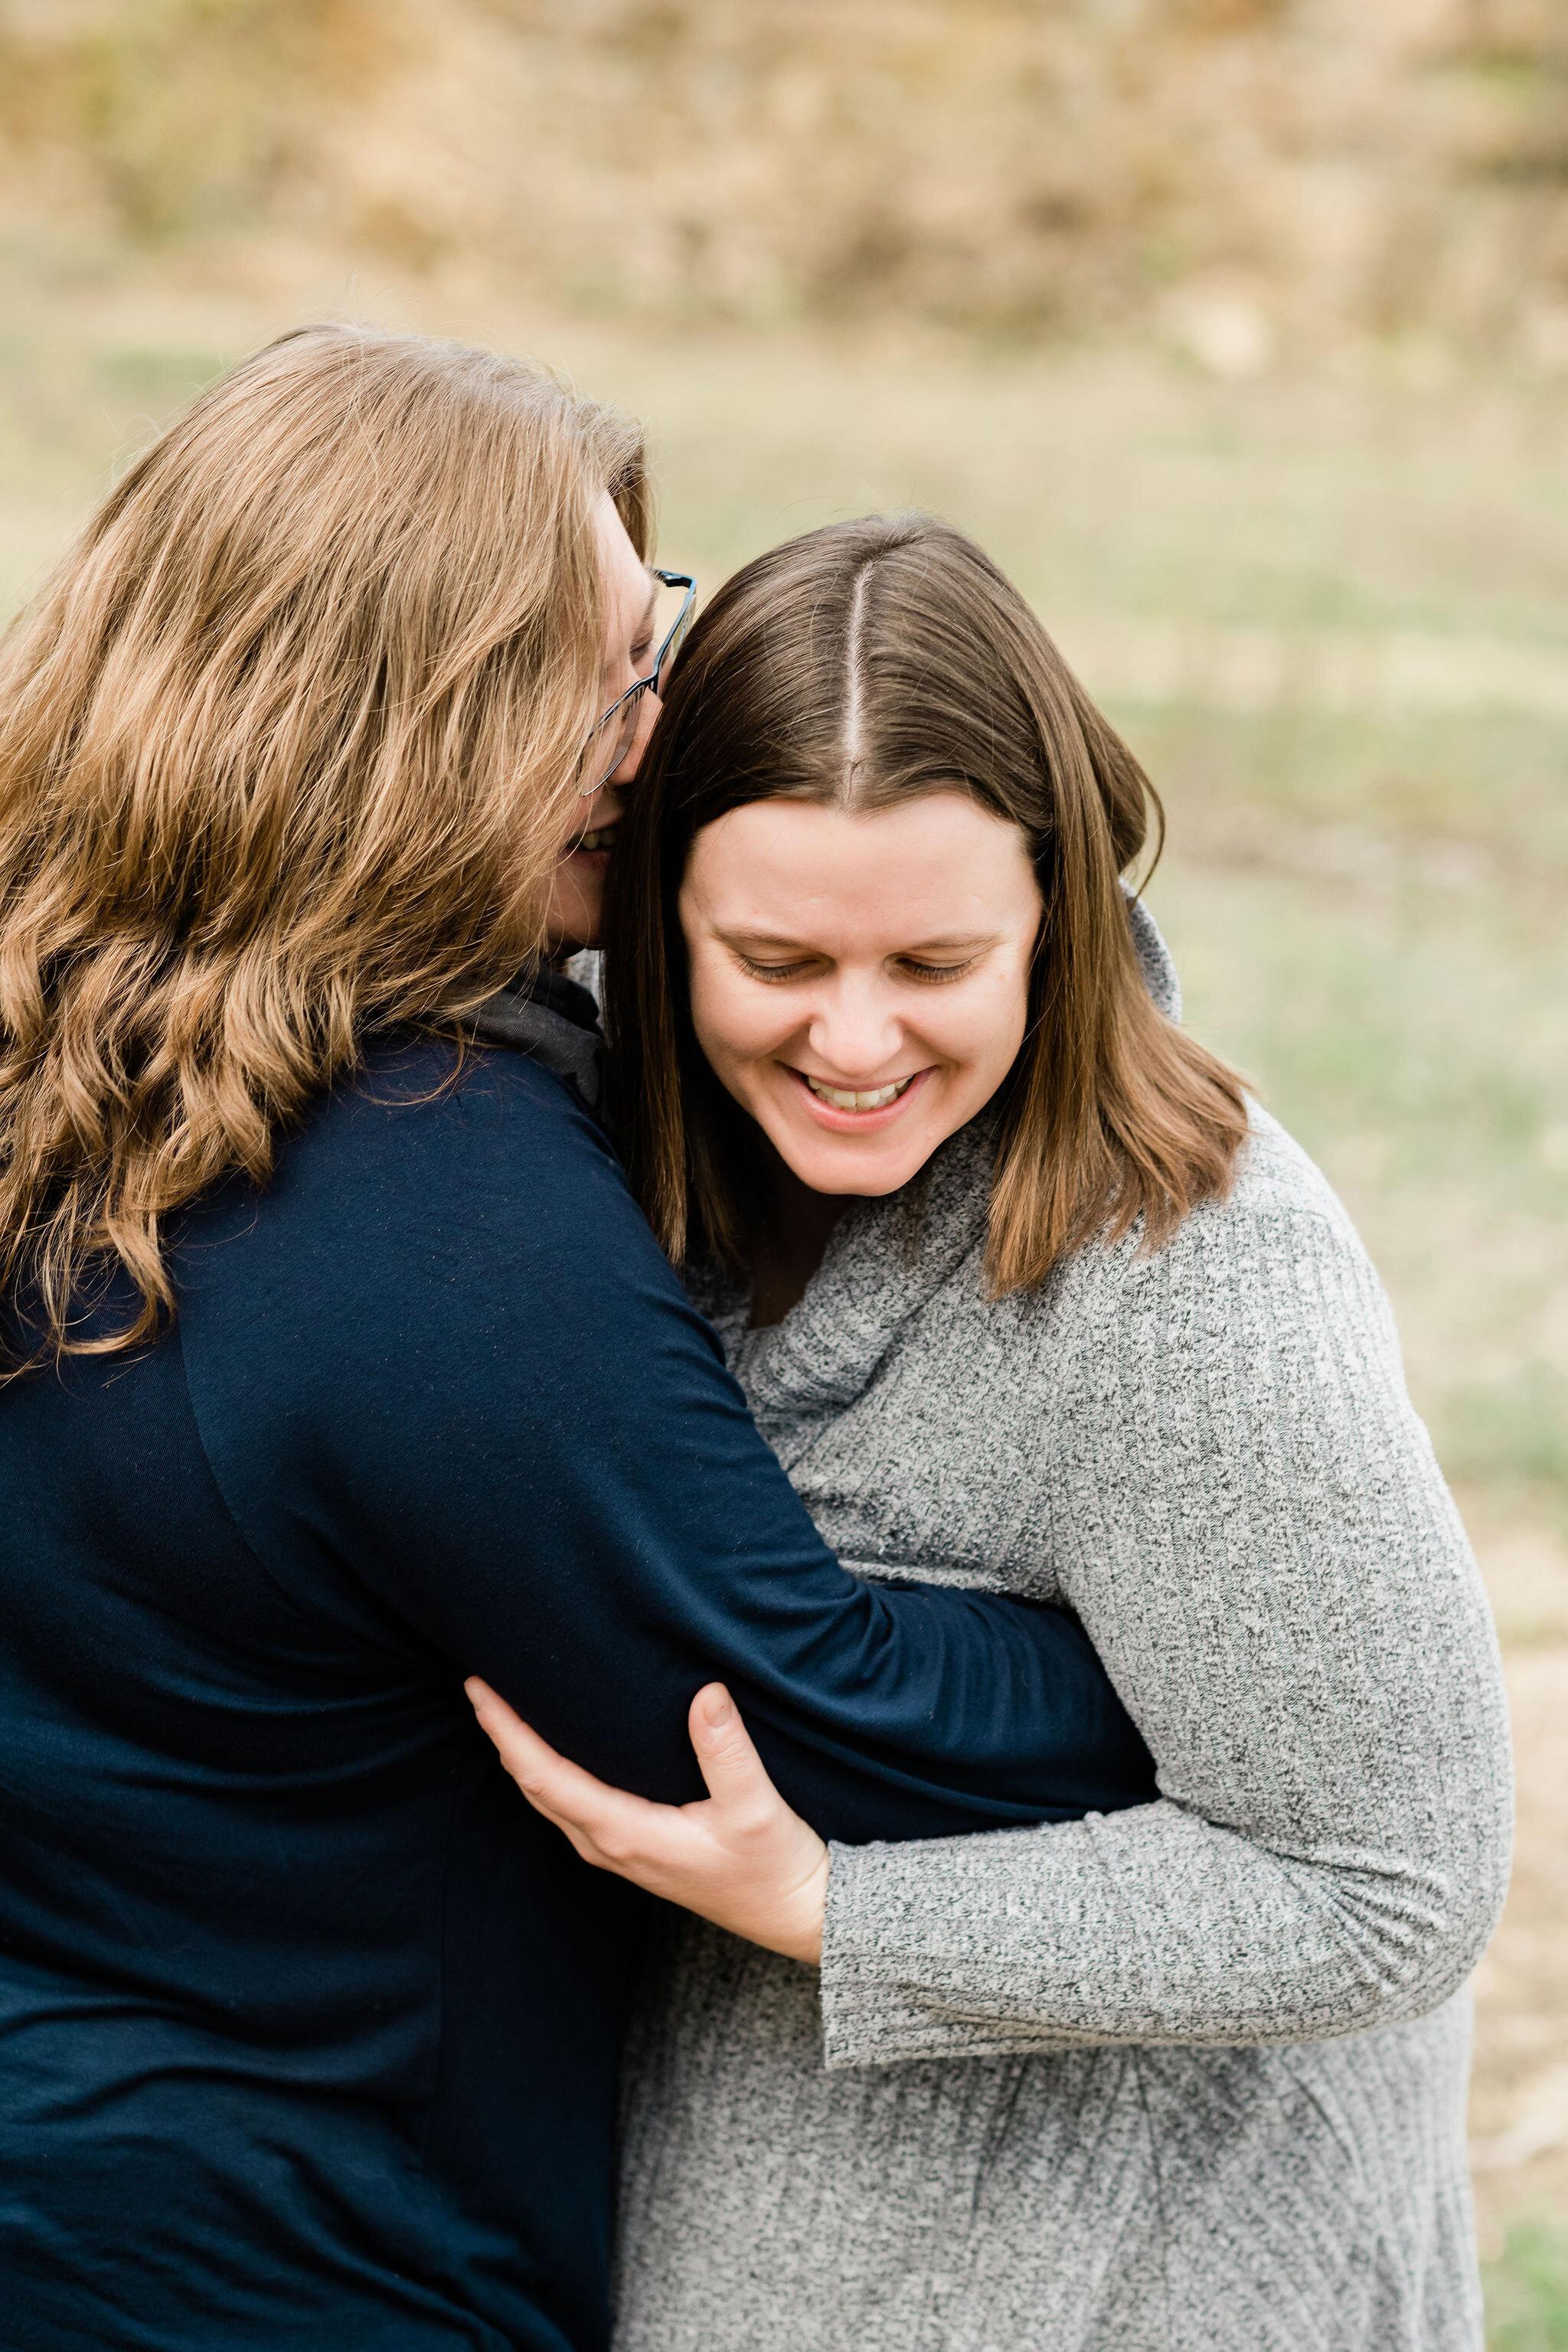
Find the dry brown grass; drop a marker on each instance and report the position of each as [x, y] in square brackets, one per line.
[1244, 173]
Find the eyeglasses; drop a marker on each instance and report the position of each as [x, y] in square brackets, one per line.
[612, 739]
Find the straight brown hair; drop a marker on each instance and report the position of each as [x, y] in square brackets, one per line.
[857, 667]
[288, 749]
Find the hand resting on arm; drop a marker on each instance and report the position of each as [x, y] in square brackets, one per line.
[741, 1857]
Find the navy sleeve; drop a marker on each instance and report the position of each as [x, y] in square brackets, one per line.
[447, 1380]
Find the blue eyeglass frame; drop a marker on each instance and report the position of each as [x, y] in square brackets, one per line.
[635, 692]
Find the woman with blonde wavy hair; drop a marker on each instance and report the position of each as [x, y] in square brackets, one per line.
[338, 1362]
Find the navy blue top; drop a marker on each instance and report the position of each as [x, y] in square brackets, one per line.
[309, 2027]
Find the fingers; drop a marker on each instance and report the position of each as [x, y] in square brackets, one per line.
[526, 1757]
[573, 1800]
[733, 1771]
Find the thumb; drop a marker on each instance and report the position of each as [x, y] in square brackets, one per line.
[725, 1756]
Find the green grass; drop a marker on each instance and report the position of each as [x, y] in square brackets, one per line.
[1527, 2290]
[1367, 914]
[1476, 800]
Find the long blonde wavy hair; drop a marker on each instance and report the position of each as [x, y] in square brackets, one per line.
[288, 751]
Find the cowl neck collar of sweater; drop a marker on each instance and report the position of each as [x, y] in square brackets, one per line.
[885, 1259]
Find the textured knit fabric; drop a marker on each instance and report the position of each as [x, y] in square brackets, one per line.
[1192, 2078]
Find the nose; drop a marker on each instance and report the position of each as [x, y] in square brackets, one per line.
[649, 707]
[854, 1028]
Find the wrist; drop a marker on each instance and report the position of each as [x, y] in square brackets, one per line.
[801, 1938]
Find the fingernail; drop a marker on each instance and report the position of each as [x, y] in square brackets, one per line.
[717, 1709]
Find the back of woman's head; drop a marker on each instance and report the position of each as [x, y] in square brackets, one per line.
[288, 747]
[860, 667]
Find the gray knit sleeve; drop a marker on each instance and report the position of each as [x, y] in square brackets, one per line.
[1246, 1512]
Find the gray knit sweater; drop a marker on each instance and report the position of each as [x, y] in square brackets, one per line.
[1189, 2078]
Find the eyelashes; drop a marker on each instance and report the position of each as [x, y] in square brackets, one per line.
[930, 975]
[937, 974]
[771, 970]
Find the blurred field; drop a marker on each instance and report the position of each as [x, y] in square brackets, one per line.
[1252, 368]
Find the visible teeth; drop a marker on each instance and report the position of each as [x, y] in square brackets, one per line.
[600, 839]
[844, 1098]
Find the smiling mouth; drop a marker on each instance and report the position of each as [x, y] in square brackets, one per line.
[849, 1099]
[601, 837]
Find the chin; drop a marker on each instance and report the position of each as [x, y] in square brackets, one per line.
[860, 1174]
[575, 921]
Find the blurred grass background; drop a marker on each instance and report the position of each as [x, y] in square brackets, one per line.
[1236, 328]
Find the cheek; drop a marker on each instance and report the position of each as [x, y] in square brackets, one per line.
[735, 1024]
[981, 1037]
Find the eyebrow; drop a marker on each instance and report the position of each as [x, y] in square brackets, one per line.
[948, 942]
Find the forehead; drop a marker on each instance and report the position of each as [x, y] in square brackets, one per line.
[933, 865]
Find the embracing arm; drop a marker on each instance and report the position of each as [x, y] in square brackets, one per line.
[1265, 1554]
[476, 1403]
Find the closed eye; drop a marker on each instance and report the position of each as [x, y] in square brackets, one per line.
[774, 970]
[913, 969]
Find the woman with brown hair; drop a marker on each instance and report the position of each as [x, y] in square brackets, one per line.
[338, 1360]
[1029, 1297]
